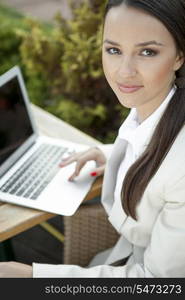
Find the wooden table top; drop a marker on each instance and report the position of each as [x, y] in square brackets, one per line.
[15, 219]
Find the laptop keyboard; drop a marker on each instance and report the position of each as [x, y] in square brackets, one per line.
[35, 174]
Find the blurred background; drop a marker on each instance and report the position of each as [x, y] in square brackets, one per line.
[42, 9]
[57, 44]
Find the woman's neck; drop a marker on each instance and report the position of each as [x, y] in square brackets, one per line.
[147, 109]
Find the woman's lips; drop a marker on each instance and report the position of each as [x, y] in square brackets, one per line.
[127, 89]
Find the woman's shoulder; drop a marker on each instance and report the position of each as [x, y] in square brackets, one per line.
[179, 143]
[173, 166]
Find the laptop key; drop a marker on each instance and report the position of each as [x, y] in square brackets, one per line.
[34, 175]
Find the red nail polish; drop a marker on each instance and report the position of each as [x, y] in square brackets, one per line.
[93, 174]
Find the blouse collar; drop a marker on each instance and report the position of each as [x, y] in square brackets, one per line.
[139, 134]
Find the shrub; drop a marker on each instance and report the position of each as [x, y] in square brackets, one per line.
[9, 47]
[11, 21]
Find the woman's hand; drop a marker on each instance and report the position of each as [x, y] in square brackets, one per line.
[82, 158]
[14, 269]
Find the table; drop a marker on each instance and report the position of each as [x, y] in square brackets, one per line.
[15, 219]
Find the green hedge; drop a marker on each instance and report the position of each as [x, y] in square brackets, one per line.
[62, 67]
[9, 45]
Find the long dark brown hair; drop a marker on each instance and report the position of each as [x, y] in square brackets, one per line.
[172, 14]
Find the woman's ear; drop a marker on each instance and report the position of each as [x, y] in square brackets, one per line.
[180, 60]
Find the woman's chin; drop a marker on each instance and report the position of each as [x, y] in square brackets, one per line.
[127, 104]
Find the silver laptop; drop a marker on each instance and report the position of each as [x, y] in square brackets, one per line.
[29, 163]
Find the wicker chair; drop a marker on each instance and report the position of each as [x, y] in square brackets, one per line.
[88, 231]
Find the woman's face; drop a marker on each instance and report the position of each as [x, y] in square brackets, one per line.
[139, 58]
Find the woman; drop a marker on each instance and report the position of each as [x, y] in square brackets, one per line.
[144, 183]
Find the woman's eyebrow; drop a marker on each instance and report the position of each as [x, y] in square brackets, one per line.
[111, 42]
[137, 45]
[149, 43]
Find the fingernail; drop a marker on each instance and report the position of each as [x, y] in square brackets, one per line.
[93, 174]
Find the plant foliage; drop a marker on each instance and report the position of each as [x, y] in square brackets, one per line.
[63, 70]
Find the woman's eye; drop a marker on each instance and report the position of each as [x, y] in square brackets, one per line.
[149, 52]
[113, 51]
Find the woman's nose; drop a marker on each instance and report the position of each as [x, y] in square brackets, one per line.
[127, 68]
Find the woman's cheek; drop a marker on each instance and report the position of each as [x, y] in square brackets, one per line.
[108, 69]
[164, 71]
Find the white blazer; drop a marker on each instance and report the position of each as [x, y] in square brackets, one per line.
[156, 242]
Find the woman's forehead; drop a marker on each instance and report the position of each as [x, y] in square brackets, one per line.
[129, 23]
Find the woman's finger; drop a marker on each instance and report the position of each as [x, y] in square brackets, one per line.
[81, 158]
[98, 171]
[68, 160]
[79, 166]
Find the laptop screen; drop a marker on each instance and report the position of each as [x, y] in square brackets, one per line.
[15, 125]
